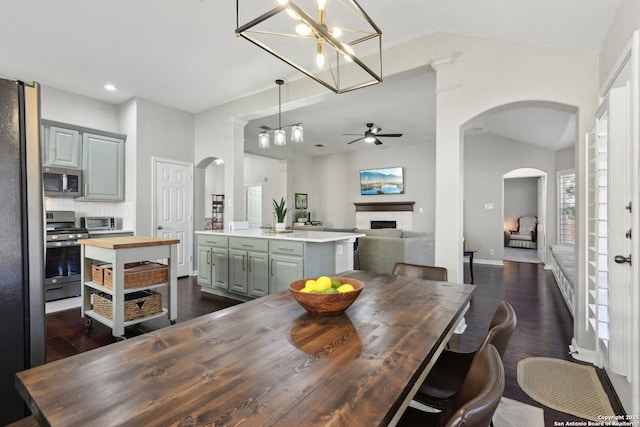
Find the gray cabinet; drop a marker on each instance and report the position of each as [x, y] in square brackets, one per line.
[284, 270]
[99, 154]
[103, 167]
[61, 147]
[286, 264]
[213, 263]
[248, 267]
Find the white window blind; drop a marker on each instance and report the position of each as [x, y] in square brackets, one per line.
[567, 207]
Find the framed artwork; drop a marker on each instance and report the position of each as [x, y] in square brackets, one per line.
[301, 201]
[382, 181]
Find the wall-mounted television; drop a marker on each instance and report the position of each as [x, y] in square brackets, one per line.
[382, 181]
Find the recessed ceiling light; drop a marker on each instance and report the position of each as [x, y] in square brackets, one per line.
[110, 87]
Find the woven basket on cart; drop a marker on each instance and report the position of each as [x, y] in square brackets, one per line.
[135, 274]
[136, 304]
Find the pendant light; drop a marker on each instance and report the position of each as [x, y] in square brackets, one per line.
[279, 135]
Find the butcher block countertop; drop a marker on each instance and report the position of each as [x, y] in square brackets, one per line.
[127, 242]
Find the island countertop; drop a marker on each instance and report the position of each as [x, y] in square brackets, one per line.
[299, 236]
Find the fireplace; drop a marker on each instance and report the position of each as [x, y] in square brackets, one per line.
[377, 224]
[385, 215]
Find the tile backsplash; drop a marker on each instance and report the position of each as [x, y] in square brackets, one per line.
[123, 212]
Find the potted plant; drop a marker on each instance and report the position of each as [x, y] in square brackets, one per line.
[302, 216]
[281, 213]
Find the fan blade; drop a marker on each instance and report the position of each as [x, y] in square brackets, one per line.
[351, 134]
[358, 139]
[265, 128]
[392, 135]
[377, 142]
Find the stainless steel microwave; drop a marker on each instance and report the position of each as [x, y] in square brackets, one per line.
[98, 222]
[61, 182]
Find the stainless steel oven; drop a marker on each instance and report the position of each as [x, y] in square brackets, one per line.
[62, 255]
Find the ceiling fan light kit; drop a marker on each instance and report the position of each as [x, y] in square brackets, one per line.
[332, 41]
[372, 134]
[279, 135]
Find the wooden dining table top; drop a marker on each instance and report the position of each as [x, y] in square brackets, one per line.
[266, 362]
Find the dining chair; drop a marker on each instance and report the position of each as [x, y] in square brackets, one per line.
[444, 381]
[427, 272]
[479, 396]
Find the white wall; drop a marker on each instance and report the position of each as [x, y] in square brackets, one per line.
[487, 158]
[337, 183]
[565, 159]
[163, 132]
[520, 199]
[267, 172]
[626, 21]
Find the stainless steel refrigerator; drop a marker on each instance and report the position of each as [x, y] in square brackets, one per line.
[22, 318]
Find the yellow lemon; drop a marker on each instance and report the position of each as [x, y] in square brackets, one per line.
[305, 290]
[345, 288]
[322, 283]
[311, 285]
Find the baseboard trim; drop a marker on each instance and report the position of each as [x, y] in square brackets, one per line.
[582, 354]
[488, 262]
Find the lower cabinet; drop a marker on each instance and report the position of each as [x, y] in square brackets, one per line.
[284, 270]
[248, 266]
[245, 268]
[249, 272]
[213, 262]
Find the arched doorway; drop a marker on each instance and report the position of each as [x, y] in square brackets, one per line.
[529, 135]
[524, 195]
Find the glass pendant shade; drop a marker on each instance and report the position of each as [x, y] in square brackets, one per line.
[263, 140]
[297, 133]
[279, 137]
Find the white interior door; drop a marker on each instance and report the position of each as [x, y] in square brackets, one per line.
[254, 205]
[173, 216]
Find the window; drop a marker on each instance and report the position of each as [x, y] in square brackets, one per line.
[567, 207]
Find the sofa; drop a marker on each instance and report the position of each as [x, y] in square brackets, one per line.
[382, 248]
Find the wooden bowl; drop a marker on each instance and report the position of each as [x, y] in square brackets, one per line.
[326, 304]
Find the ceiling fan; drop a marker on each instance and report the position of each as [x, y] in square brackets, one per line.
[372, 134]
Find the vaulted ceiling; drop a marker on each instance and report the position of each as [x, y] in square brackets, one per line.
[185, 54]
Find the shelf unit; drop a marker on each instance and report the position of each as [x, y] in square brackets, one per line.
[217, 211]
[119, 251]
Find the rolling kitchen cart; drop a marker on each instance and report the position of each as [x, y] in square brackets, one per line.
[119, 251]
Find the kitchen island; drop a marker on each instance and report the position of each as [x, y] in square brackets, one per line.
[252, 263]
[263, 363]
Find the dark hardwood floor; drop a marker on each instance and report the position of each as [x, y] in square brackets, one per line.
[544, 325]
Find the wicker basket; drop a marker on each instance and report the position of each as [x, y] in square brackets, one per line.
[138, 274]
[136, 304]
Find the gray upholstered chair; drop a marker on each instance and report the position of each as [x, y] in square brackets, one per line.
[525, 236]
[427, 272]
[478, 399]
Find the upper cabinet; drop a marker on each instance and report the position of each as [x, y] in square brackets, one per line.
[62, 147]
[99, 154]
[103, 167]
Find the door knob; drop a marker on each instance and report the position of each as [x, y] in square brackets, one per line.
[620, 259]
[159, 227]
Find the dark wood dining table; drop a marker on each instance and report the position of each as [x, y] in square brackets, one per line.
[266, 362]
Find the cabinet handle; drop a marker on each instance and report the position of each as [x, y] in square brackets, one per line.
[272, 266]
[86, 191]
[286, 249]
[244, 245]
[213, 258]
[243, 259]
[209, 257]
[250, 257]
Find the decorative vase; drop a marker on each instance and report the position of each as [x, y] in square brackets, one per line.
[281, 226]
